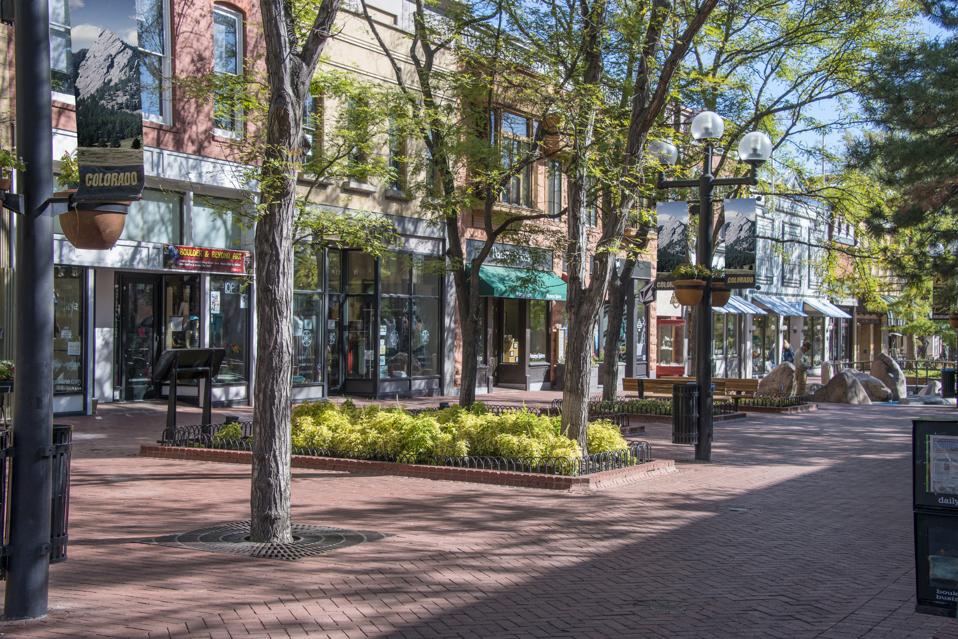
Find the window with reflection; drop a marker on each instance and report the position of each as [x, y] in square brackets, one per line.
[67, 329]
[515, 143]
[360, 345]
[229, 325]
[360, 273]
[409, 315]
[671, 343]
[155, 218]
[538, 331]
[228, 64]
[218, 222]
[511, 329]
[308, 270]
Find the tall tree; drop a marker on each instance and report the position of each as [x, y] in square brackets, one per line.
[295, 37]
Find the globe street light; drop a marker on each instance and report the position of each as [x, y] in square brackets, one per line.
[755, 148]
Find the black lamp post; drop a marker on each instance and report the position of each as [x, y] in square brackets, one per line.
[755, 148]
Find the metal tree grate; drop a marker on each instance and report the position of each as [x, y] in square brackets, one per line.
[232, 538]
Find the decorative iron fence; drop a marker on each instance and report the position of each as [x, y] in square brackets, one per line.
[636, 453]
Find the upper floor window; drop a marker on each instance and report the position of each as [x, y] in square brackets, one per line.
[397, 159]
[313, 126]
[555, 188]
[154, 45]
[228, 63]
[515, 143]
[155, 65]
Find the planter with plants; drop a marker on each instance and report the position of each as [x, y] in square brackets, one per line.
[9, 162]
[953, 320]
[95, 226]
[721, 293]
[689, 283]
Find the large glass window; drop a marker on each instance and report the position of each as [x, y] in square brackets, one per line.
[671, 344]
[307, 328]
[718, 335]
[397, 159]
[181, 304]
[555, 188]
[228, 64]
[361, 273]
[538, 331]
[409, 315]
[155, 218]
[515, 144]
[67, 330]
[425, 336]
[360, 325]
[61, 54]
[394, 335]
[229, 325]
[313, 125]
[217, 222]
[765, 354]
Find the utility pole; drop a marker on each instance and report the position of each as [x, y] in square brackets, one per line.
[28, 554]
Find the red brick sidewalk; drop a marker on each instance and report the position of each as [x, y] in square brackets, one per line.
[800, 528]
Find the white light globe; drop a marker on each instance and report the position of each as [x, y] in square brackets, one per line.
[755, 147]
[707, 126]
[664, 152]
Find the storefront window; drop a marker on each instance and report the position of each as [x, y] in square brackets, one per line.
[67, 330]
[718, 335]
[511, 326]
[765, 354]
[394, 336]
[361, 273]
[155, 218]
[307, 327]
[360, 325]
[181, 303]
[395, 274]
[427, 275]
[481, 330]
[308, 268]
[335, 265]
[425, 336]
[538, 331]
[671, 346]
[217, 222]
[814, 337]
[229, 325]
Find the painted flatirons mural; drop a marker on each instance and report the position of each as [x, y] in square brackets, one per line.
[738, 237]
[675, 244]
[106, 67]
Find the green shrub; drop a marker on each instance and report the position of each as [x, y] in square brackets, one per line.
[230, 431]
[604, 436]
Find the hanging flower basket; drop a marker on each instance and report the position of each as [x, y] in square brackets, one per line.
[94, 226]
[551, 139]
[953, 320]
[6, 180]
[689, 292]
[721, 294]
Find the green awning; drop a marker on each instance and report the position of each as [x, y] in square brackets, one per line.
[520, 284]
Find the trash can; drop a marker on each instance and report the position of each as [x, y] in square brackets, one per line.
[60, 515]
[685, 413]
[947, 382]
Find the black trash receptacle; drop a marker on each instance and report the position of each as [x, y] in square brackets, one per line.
[685, 412]
[60, 515]
[947, 382]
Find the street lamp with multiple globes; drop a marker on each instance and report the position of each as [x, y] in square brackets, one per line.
[755, 148]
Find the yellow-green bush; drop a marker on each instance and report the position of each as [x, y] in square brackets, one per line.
[604, 436]
[232, 430]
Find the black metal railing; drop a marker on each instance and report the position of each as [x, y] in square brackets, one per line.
[635, 453]
[60, 517]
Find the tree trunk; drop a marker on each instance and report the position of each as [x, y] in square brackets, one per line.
[467, 299]
[614, 317]
[578, 368]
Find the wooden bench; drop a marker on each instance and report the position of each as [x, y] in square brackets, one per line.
[662, 386]
[736, 389]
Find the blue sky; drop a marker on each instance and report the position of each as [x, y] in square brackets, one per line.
[89, 16]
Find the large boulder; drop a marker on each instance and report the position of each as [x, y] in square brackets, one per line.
[876, 389]
[780, 382]
[844, 388]
[931, 389]
[887, 370]
[827, 372]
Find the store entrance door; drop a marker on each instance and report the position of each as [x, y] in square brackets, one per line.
[153, 313]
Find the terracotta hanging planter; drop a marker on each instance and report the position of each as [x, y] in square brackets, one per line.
[551, 139]
[953, 320]
[6, 180]
[721, 294]
[689, 292]
[94, 226]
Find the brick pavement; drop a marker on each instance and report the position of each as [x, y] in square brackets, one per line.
[800, 528]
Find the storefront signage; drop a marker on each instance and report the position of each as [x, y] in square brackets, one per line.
[935, 457]
[107, 90]
[738, 236]
[512, 255]
[675, 242]
[198, 258]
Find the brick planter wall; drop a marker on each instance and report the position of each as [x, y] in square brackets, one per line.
[595, 481]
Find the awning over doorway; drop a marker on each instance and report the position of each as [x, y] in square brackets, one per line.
[738, 306]
[778, 306]
[824, 307]
[521, 284]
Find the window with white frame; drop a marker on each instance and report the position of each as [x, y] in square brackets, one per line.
[397, 159]
[155, 65]
[555, 188]
[227, 63]
[313, 126]
[61, 51]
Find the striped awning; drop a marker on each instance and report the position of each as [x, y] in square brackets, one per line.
[738, 306]
[817, 306]
[778, 305]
